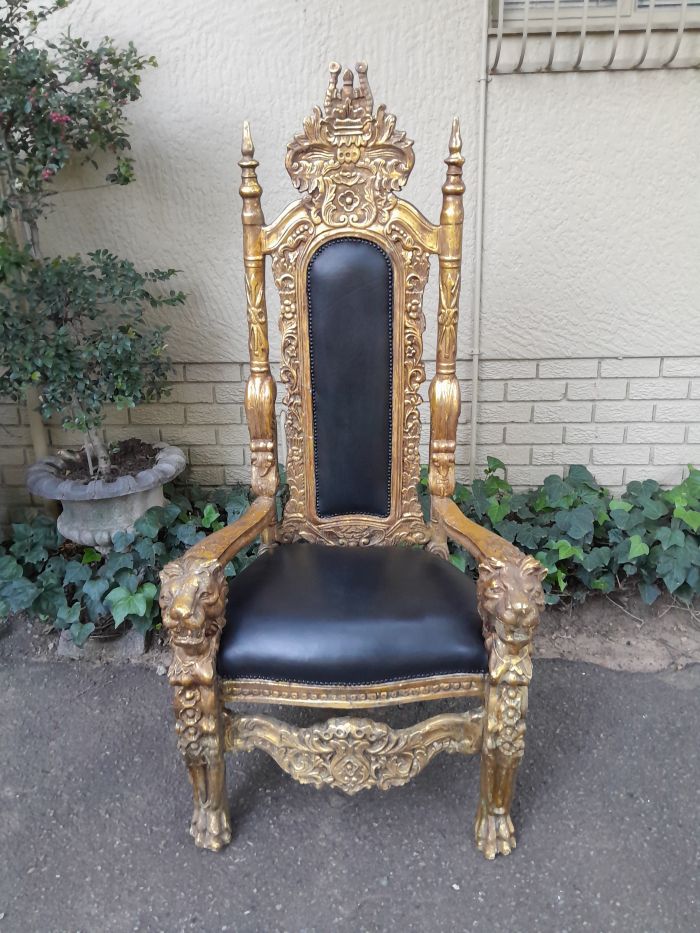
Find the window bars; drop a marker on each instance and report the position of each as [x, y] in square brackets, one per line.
[536, 36]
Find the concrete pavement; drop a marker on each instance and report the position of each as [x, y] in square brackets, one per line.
[95, 803]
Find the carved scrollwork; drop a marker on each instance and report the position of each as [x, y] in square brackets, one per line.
[355, 754]
[193, 598]
[260, 391]
[445, 399]
[263, 458]
[348, 161]
[448, 314]
[417, 265]
[355, 533]
[510, 599]
[506, 725]
[257, 315]
[284, 270]
[412, 690]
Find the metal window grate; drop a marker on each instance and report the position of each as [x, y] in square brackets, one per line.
[535, 36]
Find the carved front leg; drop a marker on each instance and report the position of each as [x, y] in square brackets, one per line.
[502, 750]
[193, 599]
[510, 599]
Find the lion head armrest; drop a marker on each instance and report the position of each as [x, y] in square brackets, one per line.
[193, 601]
[509, 589]
[194, 590]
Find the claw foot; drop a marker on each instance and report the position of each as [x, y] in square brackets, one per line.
[494, 833]
[210, 828]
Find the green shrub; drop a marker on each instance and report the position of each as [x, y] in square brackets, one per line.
[587, 540]
[78, 330]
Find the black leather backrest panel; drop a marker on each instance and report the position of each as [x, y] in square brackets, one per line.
[350, 293]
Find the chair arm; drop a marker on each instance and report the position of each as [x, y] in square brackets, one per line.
[194, 590]
[509, 588]
[224, 544]
[481, 543]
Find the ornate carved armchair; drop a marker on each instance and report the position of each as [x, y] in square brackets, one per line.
[353, 602]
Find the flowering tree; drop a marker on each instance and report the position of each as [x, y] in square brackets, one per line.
[73, 328]
[59, 99]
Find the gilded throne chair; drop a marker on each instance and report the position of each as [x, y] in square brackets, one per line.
[352, 602]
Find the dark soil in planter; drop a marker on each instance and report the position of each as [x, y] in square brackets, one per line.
[127, 458]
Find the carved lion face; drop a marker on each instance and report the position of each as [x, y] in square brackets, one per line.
[511, 598]
[193, 599]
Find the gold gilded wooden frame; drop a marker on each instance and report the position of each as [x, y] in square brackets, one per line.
[349, 163]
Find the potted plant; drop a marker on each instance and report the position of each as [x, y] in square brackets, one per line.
[73, 331]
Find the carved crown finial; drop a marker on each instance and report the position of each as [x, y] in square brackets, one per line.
[350, 160]
[348, 107]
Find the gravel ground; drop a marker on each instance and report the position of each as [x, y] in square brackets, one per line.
[95, 806]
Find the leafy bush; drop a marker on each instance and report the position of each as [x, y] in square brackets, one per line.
[74, 587]
[587, 540]
[77, 330]
[590, 541]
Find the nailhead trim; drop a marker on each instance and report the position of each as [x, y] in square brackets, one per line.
[353, 239]
[362, 683]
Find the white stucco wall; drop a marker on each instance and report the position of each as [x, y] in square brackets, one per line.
[592, 190]
[266, 62]
[592, 222]
[592, 215]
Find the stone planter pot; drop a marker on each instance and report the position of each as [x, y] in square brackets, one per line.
[94, 511]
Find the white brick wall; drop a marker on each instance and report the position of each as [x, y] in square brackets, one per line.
[624, 418]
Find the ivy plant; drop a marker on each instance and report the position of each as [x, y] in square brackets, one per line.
[74, 587]
[589, 540]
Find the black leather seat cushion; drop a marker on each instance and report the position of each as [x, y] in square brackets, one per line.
[310, 613]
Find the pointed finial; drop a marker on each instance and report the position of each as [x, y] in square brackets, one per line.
[250, 187]
[348, 80]
[454, 162]
[247, 147]
[455, 137]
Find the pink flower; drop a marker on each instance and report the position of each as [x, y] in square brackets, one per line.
[57, 117]
[46, 174]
